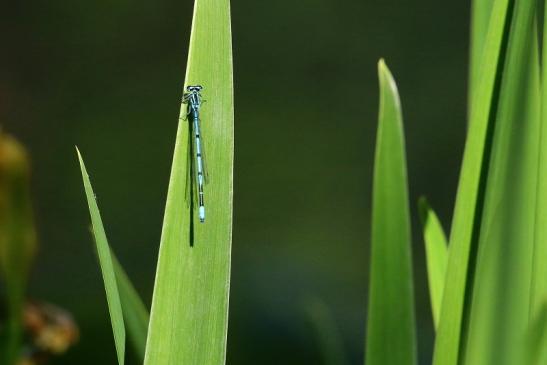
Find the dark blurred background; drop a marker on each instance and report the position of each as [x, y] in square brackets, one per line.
[107, 76]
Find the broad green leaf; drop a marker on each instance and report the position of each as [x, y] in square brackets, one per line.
[436, 249]
[107, 267]
[535, 341]
[17, 241]
[189, 316]
[135, 314]
[327, 333]
[500, 306]
[468, 202]
[539, 284]
[391, 337]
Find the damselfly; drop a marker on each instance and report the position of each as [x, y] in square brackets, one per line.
[197, 175]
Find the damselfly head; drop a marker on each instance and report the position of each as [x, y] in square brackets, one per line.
[192, 96]
[194, 88]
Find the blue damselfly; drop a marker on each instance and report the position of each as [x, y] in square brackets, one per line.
[194, 101]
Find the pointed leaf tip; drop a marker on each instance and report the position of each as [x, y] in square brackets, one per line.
[107, 267]
[391, 337]
[436, 248]
[381, 64]
[387, 81]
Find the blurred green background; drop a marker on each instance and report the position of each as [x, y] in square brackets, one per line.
[107, 76]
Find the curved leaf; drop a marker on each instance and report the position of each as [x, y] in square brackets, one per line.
[107, 267]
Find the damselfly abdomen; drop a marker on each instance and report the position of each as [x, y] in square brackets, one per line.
[193, 98]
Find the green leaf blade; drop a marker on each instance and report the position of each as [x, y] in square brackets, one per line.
[189, 316]
[135, 314]
[470, 187]
[539, 284]
[436, 248]
[391, 337]
[480, 19]
[535, 340]
[501, 298]
[107, 267]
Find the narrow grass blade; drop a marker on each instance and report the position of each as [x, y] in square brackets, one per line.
[391, 337]
[436, 249]
[539, 284]
[107, 267]
[17, 241]
[481, 11]
[470, 189]
[500, 308]
[135, 314]
[189, 316]
[327, 333]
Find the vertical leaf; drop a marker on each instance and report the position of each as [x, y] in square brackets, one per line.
[480, 18]
[535, 341]
[468, 201]
[189, 316]
[107, 267]
[500, 308]
[17, 240]
[539, 284]
[436, 249]
[135, 314]
[391, 324]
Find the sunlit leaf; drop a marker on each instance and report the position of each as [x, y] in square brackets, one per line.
[500, 305]
[480, 18]
[535, 340]
[189, 316]
[539, 283]
[391, 337]
[436, 249]
[135, 314]
[107, 267]
[471, 187]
